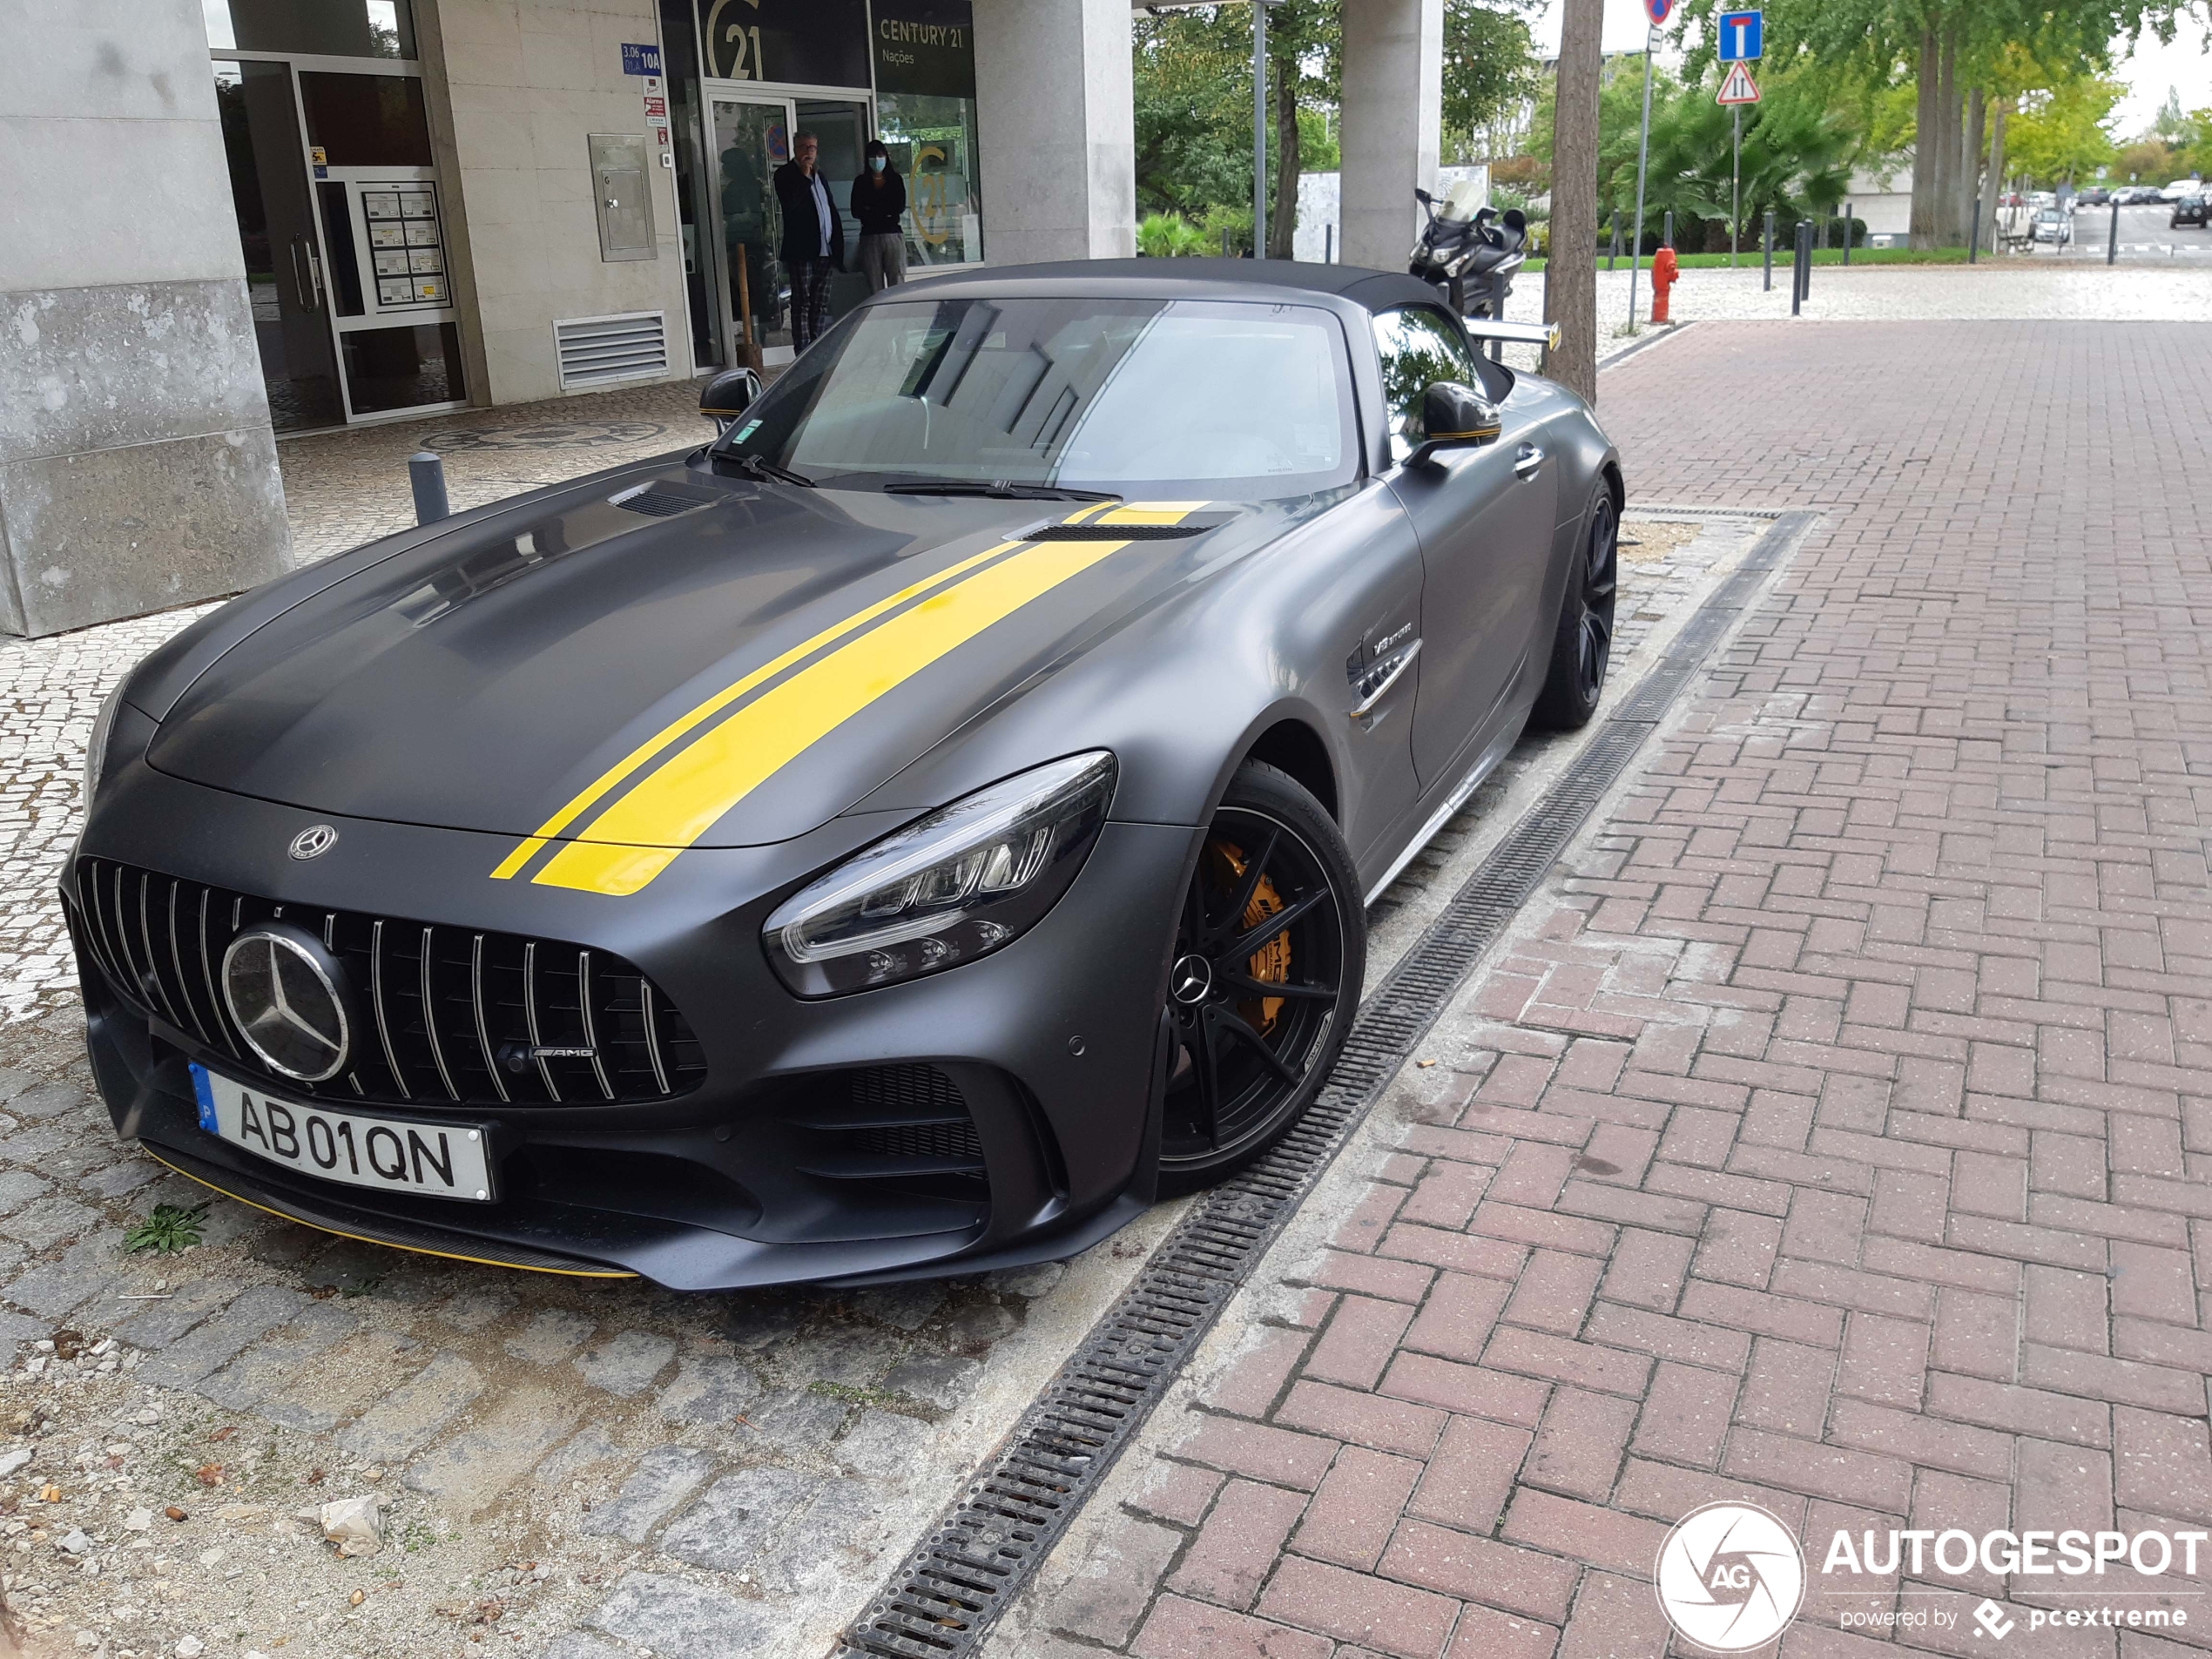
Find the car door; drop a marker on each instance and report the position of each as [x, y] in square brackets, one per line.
[1485, 516]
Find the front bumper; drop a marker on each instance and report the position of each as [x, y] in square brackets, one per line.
[1051, 1045]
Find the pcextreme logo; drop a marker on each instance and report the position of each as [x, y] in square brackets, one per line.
[1729, 1577]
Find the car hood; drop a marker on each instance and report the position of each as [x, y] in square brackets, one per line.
[709, 663]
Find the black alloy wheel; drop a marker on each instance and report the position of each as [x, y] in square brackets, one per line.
[1583, 647]
[1270, 948]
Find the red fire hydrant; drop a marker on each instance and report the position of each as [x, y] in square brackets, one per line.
[1665, 273]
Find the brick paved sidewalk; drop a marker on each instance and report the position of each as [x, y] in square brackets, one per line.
[1834, 1136]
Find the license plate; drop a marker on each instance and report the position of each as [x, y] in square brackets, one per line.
[391, 1154]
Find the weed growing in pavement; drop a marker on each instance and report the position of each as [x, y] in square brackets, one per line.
[170, 1229]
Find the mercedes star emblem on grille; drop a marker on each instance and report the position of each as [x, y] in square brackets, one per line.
[283, 992]
[312, 841]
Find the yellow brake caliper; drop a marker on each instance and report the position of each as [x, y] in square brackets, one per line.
[1271, 964]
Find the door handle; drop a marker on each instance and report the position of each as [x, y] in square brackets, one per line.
[302, 284]
[1374, 685]
[1531, 458]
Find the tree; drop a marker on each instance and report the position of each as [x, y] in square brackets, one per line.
[1490, 73]
[1798, 146]
[2059, 136]
[1950, 52]
[1570, 269]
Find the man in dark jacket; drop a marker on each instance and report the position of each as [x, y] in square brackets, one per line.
[813, 238]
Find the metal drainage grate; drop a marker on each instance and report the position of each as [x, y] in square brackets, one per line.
[944, 1598]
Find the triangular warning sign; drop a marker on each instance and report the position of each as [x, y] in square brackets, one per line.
[1738, 87]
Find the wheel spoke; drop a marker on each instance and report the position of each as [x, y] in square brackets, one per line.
[1271, 988]
[1255, 867]
[1240, 950]
[1236, 1027]
[1207, 1063]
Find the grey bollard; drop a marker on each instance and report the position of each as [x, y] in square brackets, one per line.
[427, 472]
[1767, 242]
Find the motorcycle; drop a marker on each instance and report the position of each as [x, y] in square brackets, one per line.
[1469, 251]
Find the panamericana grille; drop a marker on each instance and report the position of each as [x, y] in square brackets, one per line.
[442, 1016]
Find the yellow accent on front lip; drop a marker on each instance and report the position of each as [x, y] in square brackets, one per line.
[641, 833]
[417, 1249]
[512, 863]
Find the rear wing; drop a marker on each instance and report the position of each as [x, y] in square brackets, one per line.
[1514, 333]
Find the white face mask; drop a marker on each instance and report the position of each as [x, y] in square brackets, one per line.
[875, 164]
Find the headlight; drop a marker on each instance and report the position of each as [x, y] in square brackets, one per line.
[955, 885]
[96, 750]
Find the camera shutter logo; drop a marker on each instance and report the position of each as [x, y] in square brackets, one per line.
[1729, 1577]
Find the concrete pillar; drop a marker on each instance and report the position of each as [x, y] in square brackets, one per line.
[137, 466]
[1055, 108]
[1393, 107]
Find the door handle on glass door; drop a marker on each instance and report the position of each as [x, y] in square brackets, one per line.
[1531, 459]
[302, 282]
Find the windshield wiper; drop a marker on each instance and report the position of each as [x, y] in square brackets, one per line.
[1000, 490]
[761, 467]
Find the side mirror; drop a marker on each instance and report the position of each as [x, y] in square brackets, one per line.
[1422, 196]
[1455, 416]
[728, 395]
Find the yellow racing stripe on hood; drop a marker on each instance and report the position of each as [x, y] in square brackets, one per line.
[669, 808]
[530, 847]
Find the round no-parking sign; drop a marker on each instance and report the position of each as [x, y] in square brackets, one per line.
[1660, 11]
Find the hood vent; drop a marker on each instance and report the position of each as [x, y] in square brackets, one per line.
[663, 501]
[1118, 532]
[595, 351]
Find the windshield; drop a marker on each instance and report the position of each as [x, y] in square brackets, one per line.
[1464, 201]
[1226, 400]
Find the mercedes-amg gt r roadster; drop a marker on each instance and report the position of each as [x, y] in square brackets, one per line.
[903, 837]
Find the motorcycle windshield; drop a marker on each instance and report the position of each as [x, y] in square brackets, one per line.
[1464, 201]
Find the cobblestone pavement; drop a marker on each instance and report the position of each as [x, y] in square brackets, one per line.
[578, 1469]
[1832, 1135]
[342, 489]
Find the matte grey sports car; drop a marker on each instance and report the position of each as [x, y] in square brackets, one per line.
[903, 837]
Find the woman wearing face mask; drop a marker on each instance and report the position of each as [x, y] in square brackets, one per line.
[878, 198]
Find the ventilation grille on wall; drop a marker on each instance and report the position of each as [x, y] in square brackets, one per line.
[595, 350]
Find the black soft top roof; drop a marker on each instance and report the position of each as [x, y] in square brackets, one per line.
[1197, 279]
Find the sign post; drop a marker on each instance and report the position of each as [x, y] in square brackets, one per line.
[1742, 37]
[1658, 12]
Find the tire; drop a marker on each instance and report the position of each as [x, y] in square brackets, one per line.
[1582, 644]
[1243, 1066]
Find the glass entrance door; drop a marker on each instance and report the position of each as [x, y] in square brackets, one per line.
[752, 139]
[353, 313]
[285, 274]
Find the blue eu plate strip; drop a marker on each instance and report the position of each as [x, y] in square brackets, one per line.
[208, 1118]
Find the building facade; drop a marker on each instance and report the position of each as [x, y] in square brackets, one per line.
[237, 220]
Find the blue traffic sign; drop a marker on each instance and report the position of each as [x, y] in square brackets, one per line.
[640, 60]
[1659, 12]
[1742, 36]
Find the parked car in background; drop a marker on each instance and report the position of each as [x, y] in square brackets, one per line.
[2179, 188]
[2052, 224]
[2191, 209]
[2094, 196]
